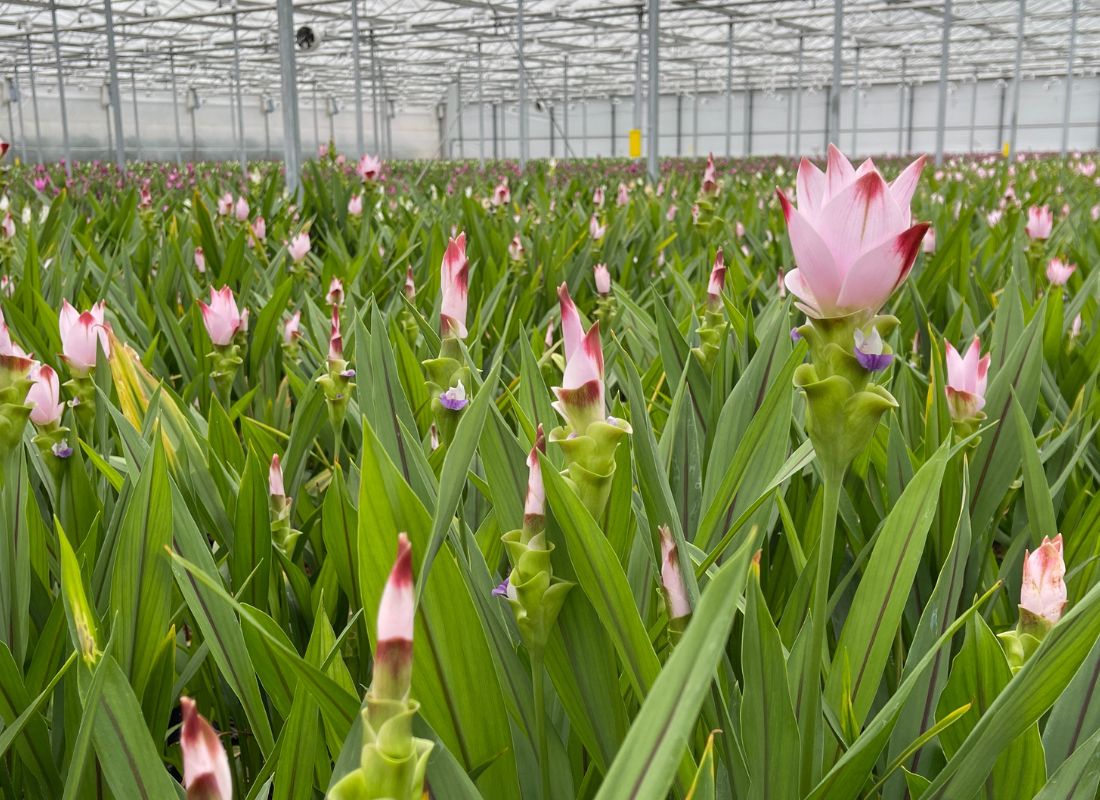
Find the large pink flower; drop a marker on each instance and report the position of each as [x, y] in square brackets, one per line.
[44, 395]
[1040, 222]
[453, 279]
[581, 395]
[79, 334]
[851, 235]
[1043, 592]
[370, 167]
[966, 380]
[221, 317]
[206, 772]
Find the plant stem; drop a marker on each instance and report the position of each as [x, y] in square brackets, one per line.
[540, 723]
[811, 689]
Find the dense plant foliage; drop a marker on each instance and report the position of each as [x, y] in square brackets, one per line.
[737, 552]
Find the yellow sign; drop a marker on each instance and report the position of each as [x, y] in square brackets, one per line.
[1005, 149]
[635, 143]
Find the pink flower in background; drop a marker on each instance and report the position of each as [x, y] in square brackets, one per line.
[396, 613]
[259, 228]
[335, 296]
[369, 168]
[1058, 271]
[206, 773]
[44, 395]
[221, 317]
[81, 334]
[782, 287]
[1075, 327]
[966, 380]
[672, 581]
[1043, 591]
[241, 209]
[225, 204]
[4, 147]
[717, 280]
[993, 217]
[322, 151]
[454, 283]
[355, 205]
[515, 248]
[595, 229]
[671, 213]
[603, 279]
[501, 194]
[534, 504]
[1040, 221]
[597, 197]
[7, 347]
[299, 247]
[739, 228]
[710, 180]
[7, 227]
[695, 212]
[292, 328]
[851, 235]
[623, 198]
[335, 338]
[1095, 212]
[928, 244]
[410, 285]
[275, 478]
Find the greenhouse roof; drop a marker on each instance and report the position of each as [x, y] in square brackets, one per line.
[421, 46]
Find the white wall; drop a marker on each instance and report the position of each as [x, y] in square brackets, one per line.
[1040, 124]
[415, 132]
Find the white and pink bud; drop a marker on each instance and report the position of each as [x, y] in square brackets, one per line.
[454, 283]
[598, 197]
[275, 478]
[292, 328]
[1040, 222]
[1059, 272]
[515, 248]
[355, 205]
[710, 178]
[1043, 592]
[44, 396]
[966, 381]
[394, 640]
[259, 228]
[241, 209]
[603, 279]
[222, 319]
[534, 504]
[206, 773]
[81, 336]
[595, 229]
[672, 581]
[623, 197]
[335, 295]
[717, 281]
[299, 247]
[369, 168]
[200, 261]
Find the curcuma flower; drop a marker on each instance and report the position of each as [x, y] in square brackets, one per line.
[851, 235]
[1040, 222]
[1059, 272]
[603, 279]
[677, 604]
[206, 773]
[966, 382]
[1043, 598]
[369, 167]
[44, 396]
[714, 324]
[454, 283]
[299, 247]
[82, 333]
[710, 180]
[222, 319]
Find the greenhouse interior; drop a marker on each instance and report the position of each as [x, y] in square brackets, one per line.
[550, 399]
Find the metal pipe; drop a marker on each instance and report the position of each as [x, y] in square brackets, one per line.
[357, 77]
[611, 105]
[22, 130]
[1016, 80]
[945, 59]
[523, 140]
[901, 108]
[695, 114]
[316, 119]
[137, 116]
[638, 55]
[61, 90]
[729, 89]
[584, 128]
[679, 123]
[175, 104]
[1001, 115]
[240, 103]
[749, 96]
[458, 115]
[375, 119]
[116, 103]
[34, 101]
[565, 107]
[550, 111]
[912, 102]
[652, 163]
[480, 111]
[973, 111]
[292, 141]
[1069, 77]
[493, 109]
[855, 105]
[833, 126]
[798, 110]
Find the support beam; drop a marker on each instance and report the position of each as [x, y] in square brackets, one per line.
[480, 111]
[749, 97]
[798, 101]
[695, 114]
[1066, 103]
[652, 162]
[584, 128]
[458, 117]
[679, 123]
[1020, 17]
[945, 60]
[237, 87]
[34, 102]
[833, 126]
[614, 133]
[376, 120]
[639, 54]
[60, 91]
[973, 111]
[523, 132]
[565, 108]
[855, 106]
[137, 115]
[1001, 115]
[909, 130]
[357, 77]
[316, 119]
[176, 104]
[729, 87]
[292, 135]
[901, 107]
[116, 103]
[22, 131]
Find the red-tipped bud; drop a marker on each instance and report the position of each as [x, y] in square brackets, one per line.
[393, 657]
[206, 774]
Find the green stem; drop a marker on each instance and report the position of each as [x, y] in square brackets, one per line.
[811, 689]
[540, 723]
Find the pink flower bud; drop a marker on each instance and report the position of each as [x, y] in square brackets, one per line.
[275, 478]
[454, 277]
[335, 296]
[1043, 591]
[200, 261]
[221, 317]
[206, 773]
[717, 280]
[394, 640]
[966, 381]
[595, 229]
[292, 328]
[335, 340]
[225, 204]
[534, 505]
[80, 333]
[241, 209]
[299, 247]
[672, 582]
[259, 228]
[355, 205]
[370, 167]
[501, 194]
[410, 285]
[1058, 271]
[603, 279]
[597, 197]
[1040, 221]
[710, 180]
[623, 197]
[928, 243]
[44, 395]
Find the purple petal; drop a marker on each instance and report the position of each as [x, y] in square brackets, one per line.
[873, 362]
[502, 590]
[452, 403]
[795, 335]
[62, 449]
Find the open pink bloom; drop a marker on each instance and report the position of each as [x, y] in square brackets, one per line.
[717, 279]
[200, 261]
[241, 209]
[1043, 592]
[1040, 221]
[275, 478]
[710, 180]
[206, 773]
[672, 581]
[501, 194]
[225, 204]
[292, 330]
[394, 639]
[370, 167]
[145, 198]
[1058, 271]
[335, 294]
[534, 505]
[928, 244]
[603, 279]
[410, 285]
[299, 247]
[597, 197]
[454, 282]
[80, 333]
[966, 380]
[221, 317]
[44, 395]
[259, 228]
[595, 229]
[851, 235]
[355, 205]
[580, 398]
[515, 248]
[623, 197]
